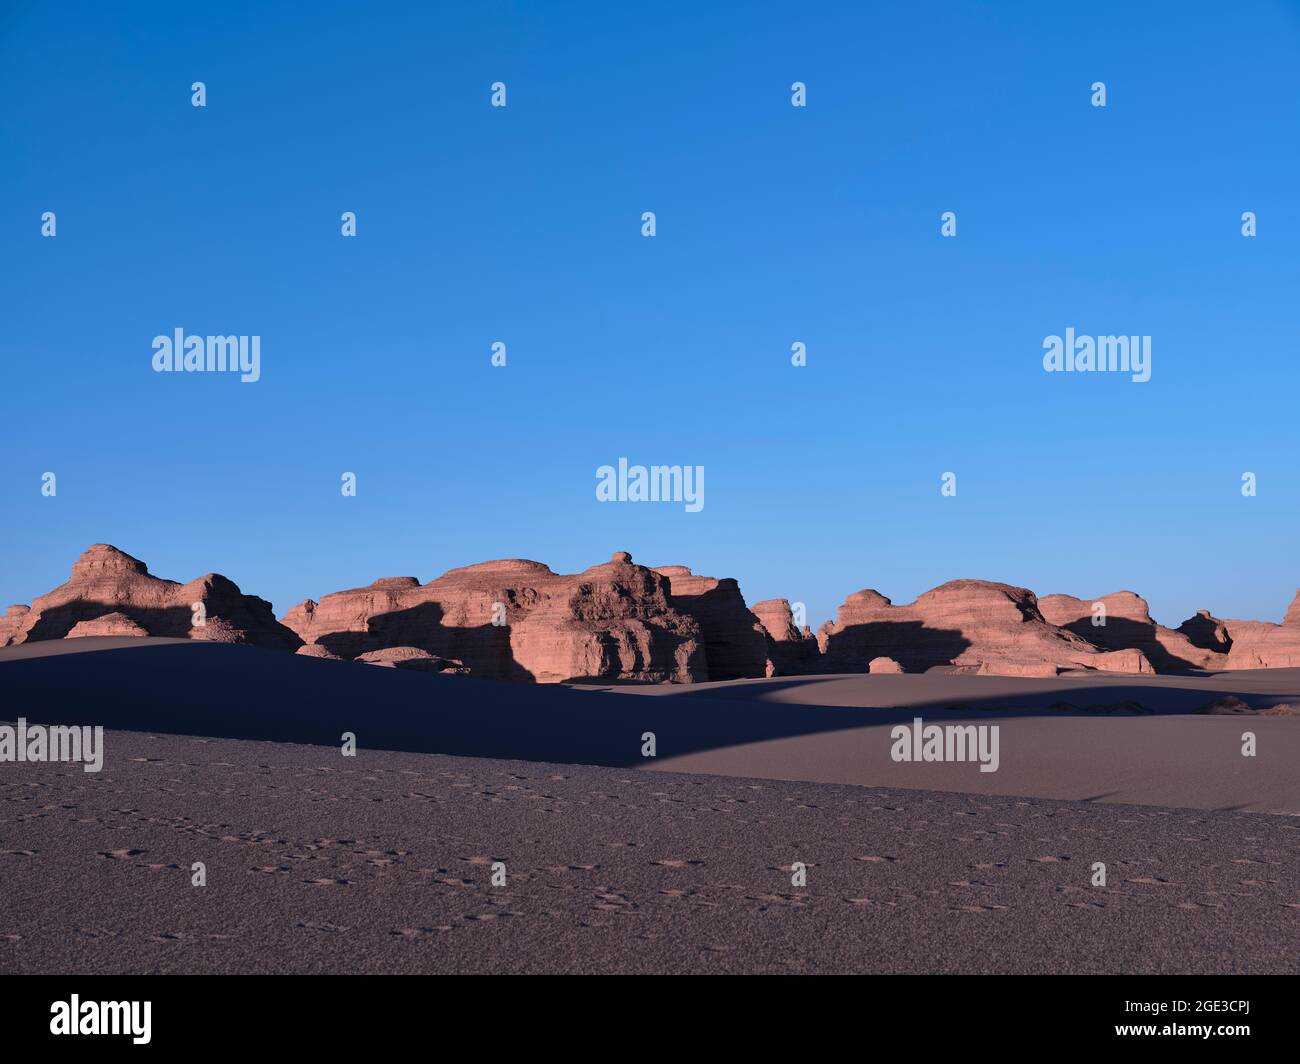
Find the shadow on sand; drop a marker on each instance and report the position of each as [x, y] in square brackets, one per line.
[239, 692]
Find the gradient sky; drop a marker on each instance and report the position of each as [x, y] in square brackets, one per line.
[775, 225]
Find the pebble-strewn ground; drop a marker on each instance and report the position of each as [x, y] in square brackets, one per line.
[383, 863]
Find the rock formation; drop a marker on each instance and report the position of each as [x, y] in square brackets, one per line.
[105, 581]
[315, 650]
[1261, 645]
[735, 643]
[412, 658]
[11, 623]
[1206, 632]
[791, 651]
[1126, 624]
[1293, 611]
[108, 624]
[622, 622]
[975, 625]
[518, 620]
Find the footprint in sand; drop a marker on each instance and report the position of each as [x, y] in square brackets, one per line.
[419, 932]
[119, 855]
[326, 882]
[323, 925]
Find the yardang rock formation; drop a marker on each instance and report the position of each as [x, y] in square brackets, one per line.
[623, 622]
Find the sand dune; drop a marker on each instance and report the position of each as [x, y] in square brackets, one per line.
[820, 729]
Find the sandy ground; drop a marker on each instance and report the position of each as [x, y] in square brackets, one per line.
[382, 863]
[818, 729]
[1170, 758]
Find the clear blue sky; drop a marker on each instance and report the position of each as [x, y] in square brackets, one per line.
[775, 225]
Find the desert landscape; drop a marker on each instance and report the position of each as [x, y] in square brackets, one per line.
[548, 489]
[520, 749]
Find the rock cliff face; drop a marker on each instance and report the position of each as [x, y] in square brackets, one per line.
[1127, 625]
[735, 643]
[11, 623]
[109, 592]
[1206, 632]
[1261, 645]
[518, 620]
[622, 622]
[791, 651]
[975, 625]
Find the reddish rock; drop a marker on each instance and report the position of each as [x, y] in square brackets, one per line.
[518, 620]
[108, 624]
[11, 623]
[314, 650]
[735, 643]
[412, 658]
[1261, 645]
[1293, 611]
[1206, 632]
[883, 666]
[994, 667]
[106, 580]
[791, 651]
[1128, 626]
[1130, 660]
[996, 628]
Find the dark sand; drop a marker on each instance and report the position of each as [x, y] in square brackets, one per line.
[317, 862]
[382, 864]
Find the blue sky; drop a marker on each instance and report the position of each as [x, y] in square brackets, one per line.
[775, 224]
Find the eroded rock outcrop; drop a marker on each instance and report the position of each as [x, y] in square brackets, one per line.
[412, 658]
[107, 581]
[791, 651]
[12, 622]
[518, 620]
[1207, 632]
[1262, 645]
[735, 643]
[978, 625]
[1122, 621]
[109, 624]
